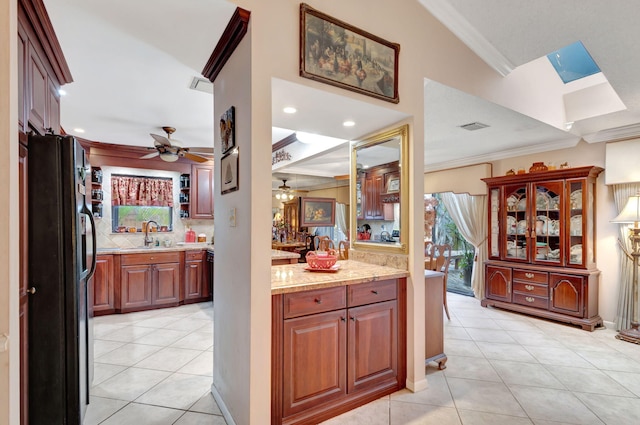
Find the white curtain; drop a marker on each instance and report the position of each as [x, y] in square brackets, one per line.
[469, 213]
[621, 193]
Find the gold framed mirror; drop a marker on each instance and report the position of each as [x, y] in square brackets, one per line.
[379, 192]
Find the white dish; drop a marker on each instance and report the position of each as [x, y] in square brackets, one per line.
[522, 204]
[511, 225]
[512, 202]
[576, 199]
[542, 200]
[522, 227]
[576, 225]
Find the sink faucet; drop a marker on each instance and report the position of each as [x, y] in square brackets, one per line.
[385, 236]
[147, 240]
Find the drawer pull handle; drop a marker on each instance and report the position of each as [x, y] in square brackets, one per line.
[529, 287]
[374, 292]
[529, 275]
[353, 319]
[529, 299]
[318, 300]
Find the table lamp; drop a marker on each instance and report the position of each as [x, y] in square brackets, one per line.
[631, 214]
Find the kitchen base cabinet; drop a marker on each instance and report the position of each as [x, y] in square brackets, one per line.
[196, 288]
[149, 280]
[323, 360]
[434, 329]
[103, 292]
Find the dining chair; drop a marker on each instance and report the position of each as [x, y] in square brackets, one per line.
[343, 250]
[322, 243]
[437, 257]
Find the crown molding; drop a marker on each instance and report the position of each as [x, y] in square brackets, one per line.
[618, 133]
[230, 39]
[462, 29]
[510, 153]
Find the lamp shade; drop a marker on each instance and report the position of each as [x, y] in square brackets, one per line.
[631, 212]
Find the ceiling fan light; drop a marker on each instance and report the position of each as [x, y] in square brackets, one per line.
[290, 196]
[169, 156]
[278, 195]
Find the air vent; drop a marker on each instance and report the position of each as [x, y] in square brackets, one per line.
[201, 84]
[474, 126]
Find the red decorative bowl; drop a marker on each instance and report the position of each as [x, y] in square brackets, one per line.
[321, 259]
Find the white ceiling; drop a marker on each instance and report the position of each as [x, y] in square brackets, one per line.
[133, 62]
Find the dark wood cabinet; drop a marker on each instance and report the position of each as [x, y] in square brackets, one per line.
[374, 185]
[103, 286]
[322, 358]
[196, 286]
[201, 191]
[542, 258]
[38, 91]
[374, 196]
[324, 336]
[148, 280]
[291, 213]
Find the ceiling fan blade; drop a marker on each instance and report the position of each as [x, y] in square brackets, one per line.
[193, 157]
[160, 140]
[150, 155]
[201, 150]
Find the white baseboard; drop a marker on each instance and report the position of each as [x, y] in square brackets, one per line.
[223, 407]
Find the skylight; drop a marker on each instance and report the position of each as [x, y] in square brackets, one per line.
[573, 62]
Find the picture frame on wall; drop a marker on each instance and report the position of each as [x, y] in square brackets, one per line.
[337, 53]
[229, 172]
[228, 130]
[317, 212]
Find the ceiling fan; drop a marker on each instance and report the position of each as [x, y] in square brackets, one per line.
[170, 149]
[284, 192]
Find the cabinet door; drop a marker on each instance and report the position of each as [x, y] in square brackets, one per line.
[360, 195]
[373, 203]
[201, 191]
[498, 283]
[38, 93]
[135, 286]
[580, 225]
[52, 111]
[547, 231]
[515, 223]
[373, 325]
[193, 274]
[103, 290]
[166, 284]
[567, 294]
[310, 342]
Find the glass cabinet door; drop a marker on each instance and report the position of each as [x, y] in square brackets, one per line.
[547, 230]
[578, 224]
[516, 225]
[494, 222]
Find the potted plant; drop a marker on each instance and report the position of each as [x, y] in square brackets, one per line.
[466, 265]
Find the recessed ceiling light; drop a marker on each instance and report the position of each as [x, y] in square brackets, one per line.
[62, 92]
[290, 110]
[78, 130]
[349, 123]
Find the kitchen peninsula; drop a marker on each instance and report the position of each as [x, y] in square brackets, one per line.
[133, 279]
[324, 326]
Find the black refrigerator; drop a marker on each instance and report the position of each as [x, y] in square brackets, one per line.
[61, 263]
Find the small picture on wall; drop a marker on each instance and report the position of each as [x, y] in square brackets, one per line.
[227, 130]
[229, 172]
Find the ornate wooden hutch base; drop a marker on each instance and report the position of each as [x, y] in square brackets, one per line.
[542, 258]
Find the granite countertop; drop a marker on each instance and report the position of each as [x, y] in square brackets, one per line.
[183, 246]
[294, 277]
[276, 254]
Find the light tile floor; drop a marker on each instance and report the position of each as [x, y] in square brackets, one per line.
[509, 369]
[504, 369]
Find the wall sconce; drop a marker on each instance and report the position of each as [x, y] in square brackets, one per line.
[631, 214]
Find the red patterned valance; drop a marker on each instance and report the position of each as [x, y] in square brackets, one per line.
[141, 191]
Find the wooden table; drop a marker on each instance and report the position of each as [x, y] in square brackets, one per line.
[434, 324]
[287, 246]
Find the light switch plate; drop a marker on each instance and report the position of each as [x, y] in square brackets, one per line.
[232, 217]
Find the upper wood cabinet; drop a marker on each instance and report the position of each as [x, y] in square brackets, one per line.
[291, 211]
[202, 191]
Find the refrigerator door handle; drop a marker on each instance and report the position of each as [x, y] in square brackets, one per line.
[88, 212]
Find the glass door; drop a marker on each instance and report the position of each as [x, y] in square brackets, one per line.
[516, 225]
[547, 230]
[577, 222]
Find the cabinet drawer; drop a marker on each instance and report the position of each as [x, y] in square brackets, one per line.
[151, 258]
[192, 255]
[316, 301]
[531, 289]
[373, 292]
[531, 300]
[530, 276]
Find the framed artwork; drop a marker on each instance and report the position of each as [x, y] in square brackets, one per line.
[229, 172]
[228, 130]
[317, 212]
[336, 53]
[393, 184]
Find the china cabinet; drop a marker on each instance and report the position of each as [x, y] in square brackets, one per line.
[542, 258]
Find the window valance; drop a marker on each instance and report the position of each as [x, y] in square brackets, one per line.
[141, 191]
